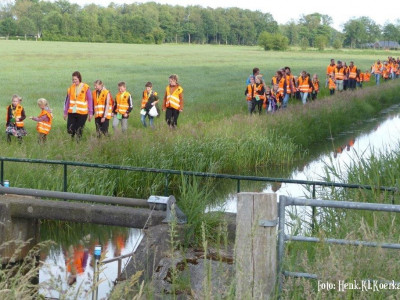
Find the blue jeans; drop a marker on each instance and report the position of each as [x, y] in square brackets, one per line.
[377, 78]
[151, 120]
[285, 100]
[303, 97]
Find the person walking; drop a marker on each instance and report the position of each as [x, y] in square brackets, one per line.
[339, 76]
[173, 101]
[352, 76]
[377, 69]
[304, 84]
[103, 104]
[122, 107]
[78, 106]
[149, 100]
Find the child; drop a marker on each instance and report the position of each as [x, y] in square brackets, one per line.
[332, 85]
[44, 120]
[315, 89]
[15, 119]
[270, 100]
[259, 96]
[122, 107]
[103, 103]
[249, 93]
[149, 100]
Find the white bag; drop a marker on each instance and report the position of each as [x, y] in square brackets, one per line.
[153, 111]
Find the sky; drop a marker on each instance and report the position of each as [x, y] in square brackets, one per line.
[285, 10]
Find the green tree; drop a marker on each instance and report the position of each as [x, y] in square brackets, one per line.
[320, 42]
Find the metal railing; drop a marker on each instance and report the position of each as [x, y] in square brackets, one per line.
[283, 237]
[168, 172]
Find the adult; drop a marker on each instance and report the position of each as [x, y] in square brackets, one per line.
[352, 76]
[173, 101]
[377, 69]
[304, 84]
[339, 76]
[256, 72]
[330, 70]
[103, 105]
[78, 105]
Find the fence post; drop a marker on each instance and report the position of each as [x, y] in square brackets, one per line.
[2, 172]
[65, 178]
[166, 185]
[255, 249]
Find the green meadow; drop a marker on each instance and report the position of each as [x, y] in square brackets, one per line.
[215, 133]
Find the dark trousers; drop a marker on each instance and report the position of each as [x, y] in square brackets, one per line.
[352, 83]
[332, 91]
[75, 124]
[101, 128]
[171, 116]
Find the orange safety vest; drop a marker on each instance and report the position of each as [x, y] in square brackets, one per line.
[258, 91]
[361, 77]
[43, 126]
[173, 99]
[386, 71]
[146, 97]
[275, 85]
[122, 102]
[330, 70]
[316, 85]
[378, 68]
[353, 72]
[17, 113]
[304, 84]
[339, 73]
[289, 83]
[332, 84]
[250, 91]
[367, 76]
[77, 99]
[100, 104]
[281, 85]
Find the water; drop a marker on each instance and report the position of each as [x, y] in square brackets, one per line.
[68, 267]
[372, 136]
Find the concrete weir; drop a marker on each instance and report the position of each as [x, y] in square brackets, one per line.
[19, 216]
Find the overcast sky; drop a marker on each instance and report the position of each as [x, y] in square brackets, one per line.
[285, 10]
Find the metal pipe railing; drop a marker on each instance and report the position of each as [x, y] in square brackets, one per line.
[188, 173]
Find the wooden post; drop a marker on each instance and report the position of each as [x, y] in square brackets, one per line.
[255, 247]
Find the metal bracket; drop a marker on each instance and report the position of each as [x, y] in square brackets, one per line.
[267, 223]
[168, 204]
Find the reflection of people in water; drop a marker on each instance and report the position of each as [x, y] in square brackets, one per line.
[76, 259]
[119, 240]
[340, 149]
[350, 144]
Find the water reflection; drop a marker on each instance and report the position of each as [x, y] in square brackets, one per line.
[373, 136]
[67, 269]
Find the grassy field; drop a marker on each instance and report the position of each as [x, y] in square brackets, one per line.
[215, 133]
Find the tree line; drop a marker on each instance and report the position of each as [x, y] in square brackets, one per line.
[162, 23]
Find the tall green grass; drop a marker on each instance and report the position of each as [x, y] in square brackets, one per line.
[347, 263]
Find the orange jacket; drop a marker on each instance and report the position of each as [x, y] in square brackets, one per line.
[353, 72]
[17, 114]
[339, 73]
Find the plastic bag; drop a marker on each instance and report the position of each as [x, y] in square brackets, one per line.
[153, 111]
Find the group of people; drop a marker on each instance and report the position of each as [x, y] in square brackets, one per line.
[284, 85]
[16, 115]
[339, 77]
[82, 104]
